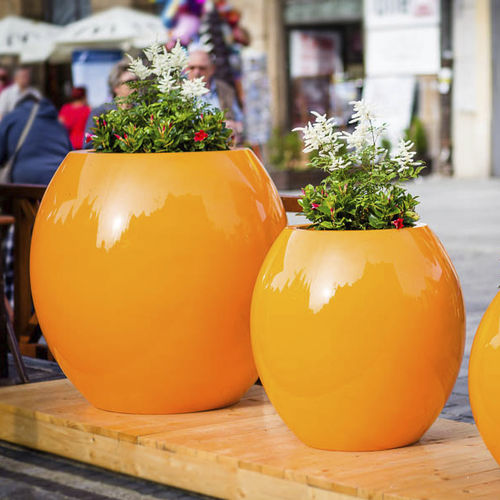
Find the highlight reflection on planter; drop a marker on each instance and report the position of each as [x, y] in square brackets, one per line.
[484, 377]
[142, 268]
[358, 335]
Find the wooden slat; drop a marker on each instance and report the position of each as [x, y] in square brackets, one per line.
[22, 297]
[23, 200]
[244, 451]
[32, 191]
[6, 220]
[291, 203]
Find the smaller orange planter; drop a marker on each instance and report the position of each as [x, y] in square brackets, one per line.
[484, 378]
[358, 335]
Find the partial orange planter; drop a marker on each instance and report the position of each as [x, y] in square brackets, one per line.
[358, 335]
[142, 271]
[484, 378]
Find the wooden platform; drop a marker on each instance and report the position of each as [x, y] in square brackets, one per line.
[245, 451]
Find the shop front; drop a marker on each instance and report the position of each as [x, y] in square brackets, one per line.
[324, 44]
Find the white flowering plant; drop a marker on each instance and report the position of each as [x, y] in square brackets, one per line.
[363, 188]
[164, 113]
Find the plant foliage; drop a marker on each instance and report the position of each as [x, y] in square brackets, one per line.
[416, 134]
[164, 113]
[362, 190]
[284, 150]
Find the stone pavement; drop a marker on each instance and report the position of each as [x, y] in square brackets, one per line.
[464, 215]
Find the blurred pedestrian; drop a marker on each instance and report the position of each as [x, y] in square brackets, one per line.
[45, 145]
[221, 95]
[4, 79]
[14, 93]
[74, 115]
[36, 144]
[117, 81]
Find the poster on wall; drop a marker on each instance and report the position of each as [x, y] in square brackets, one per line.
[402, 37]
[314, 53]
[90, 69]
[309, 94]
[315, 59]
[406, 51]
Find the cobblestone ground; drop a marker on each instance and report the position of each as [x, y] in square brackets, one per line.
[27, 474]
[464, 214]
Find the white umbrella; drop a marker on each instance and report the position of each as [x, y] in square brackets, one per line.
[31, 40]
[118, 27]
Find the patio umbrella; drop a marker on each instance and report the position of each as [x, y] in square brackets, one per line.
[32, 41]
[118, 27]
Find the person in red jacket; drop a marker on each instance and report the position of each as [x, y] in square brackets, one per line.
[73, 116]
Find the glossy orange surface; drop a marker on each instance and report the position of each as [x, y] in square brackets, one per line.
[484, 378]
[142, 271]
[358, 335]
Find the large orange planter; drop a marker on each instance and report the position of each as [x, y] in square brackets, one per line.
[484, 378]
[358, 335]
[142, 270]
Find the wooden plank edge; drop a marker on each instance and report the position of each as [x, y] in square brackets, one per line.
[11, 404]
[219, 478]
[291, 202]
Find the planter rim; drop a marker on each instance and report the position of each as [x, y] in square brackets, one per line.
[100, 153]
[305, 228]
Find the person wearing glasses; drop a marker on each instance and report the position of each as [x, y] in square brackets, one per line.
[117, 81]
[221, 95]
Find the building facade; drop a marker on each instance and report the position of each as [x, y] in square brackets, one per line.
[434, 59]
[476, 152]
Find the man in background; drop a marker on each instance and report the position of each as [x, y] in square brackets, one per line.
[118, 80]
[221, 95]
[15, 92]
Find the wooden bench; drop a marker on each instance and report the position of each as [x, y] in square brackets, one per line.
[23, 201]
[8, 340]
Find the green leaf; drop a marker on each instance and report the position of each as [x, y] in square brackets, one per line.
[376, 223]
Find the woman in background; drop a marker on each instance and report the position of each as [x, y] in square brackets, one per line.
[73, 116]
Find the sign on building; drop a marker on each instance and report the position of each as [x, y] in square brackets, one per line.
[402, 41]
[402, 37]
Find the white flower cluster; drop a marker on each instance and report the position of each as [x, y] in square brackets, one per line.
[362, 112]
[366, 132]
[194, 88]
[138, 68]
[404, 155]
[168, 68]
[164, 62]
[321, 136]
[318, 135]
[167, 82]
